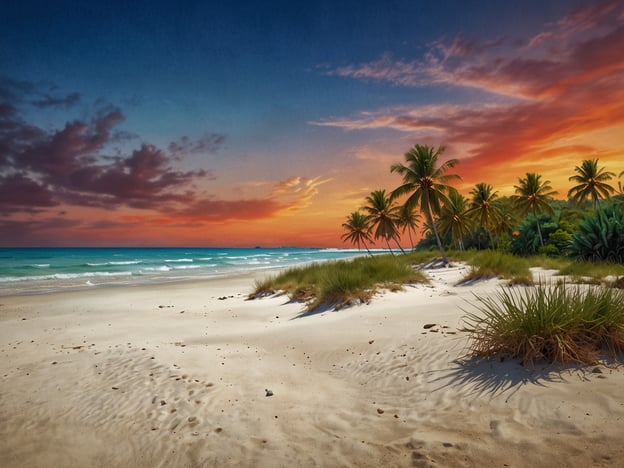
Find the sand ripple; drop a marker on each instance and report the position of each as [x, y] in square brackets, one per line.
[94, 379]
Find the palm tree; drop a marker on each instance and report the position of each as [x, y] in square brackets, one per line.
[533, 196]
[408, 221]
[425, 183]
[620, 183]
[592, 182]
[383, 214]
[507, 220]
[454, 218]
[484, 208]
[358, 230]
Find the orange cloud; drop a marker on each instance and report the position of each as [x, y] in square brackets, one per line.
[569, 81]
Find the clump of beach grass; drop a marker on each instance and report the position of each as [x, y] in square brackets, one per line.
[591, 272]
[342, 282]
[556, 323]
[301, 283]
[488, 264]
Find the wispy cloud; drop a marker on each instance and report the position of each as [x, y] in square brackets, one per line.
[207, 143]
[569, 78]
[281, 197]
[57, 101]
[587, 41]
[287, 196]
[297, 192]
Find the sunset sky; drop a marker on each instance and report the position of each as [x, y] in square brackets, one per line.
[250, 123]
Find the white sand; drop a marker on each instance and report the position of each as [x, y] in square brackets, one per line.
[172, 376]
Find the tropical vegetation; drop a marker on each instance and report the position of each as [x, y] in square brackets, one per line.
[484, 207]
[532, 196]
[383, 216]
[454, 220]
[358, 230]
[600, 236]
[531, 221]
[425, 184]
[592, 182]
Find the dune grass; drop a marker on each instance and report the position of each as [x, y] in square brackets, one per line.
[487, 264]
[581, 272]
[556, 323]
[342, 282]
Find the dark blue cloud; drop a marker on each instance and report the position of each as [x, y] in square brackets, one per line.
[71, 165]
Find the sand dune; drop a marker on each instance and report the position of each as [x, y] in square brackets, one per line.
[178, 375]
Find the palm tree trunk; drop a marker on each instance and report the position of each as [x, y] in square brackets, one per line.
[409, 233]
[437, 236]
[539, 230]
[491, 239]
[389, 248]
[399, 245]
[366, 247]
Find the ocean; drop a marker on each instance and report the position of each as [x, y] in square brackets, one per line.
[42, 270]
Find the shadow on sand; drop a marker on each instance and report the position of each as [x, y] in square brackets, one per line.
[477, 377]
[327, 307]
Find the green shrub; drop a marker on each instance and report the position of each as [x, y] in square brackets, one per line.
[560, 240]
[527, 242]
[556, 323]
[548, 250]
[600, 236]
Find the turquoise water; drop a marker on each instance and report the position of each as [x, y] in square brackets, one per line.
[38, 270]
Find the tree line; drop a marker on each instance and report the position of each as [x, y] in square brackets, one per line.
[530, 221]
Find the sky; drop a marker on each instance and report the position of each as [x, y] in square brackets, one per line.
[244, 123]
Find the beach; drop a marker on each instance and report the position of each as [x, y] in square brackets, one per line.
[193, 374]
